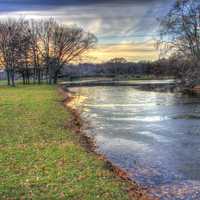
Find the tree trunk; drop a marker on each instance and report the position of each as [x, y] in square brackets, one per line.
[8, 76]
[13, 77]
[55, 80]
[39, 76]
[34, 74]
[50, 75]
[28, 76]
[23, 77]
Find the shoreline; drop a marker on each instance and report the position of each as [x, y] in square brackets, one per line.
[76, 123]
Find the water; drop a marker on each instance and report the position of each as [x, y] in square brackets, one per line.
[154, 136]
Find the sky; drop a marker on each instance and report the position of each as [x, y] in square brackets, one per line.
[124, 28]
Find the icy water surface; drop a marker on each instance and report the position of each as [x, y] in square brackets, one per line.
[154, 136]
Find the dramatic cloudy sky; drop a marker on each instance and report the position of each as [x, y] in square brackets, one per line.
[125, 28]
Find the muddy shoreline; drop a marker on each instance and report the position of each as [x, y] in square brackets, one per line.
[76, 124]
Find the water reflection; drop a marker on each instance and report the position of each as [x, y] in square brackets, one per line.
[154, 136]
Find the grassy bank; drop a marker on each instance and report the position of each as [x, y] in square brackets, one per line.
[40, 159]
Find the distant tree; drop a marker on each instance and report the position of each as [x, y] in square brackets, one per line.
[117, 60]
[116, 65]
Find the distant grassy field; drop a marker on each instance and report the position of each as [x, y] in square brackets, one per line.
[40, 159]
[3, 82]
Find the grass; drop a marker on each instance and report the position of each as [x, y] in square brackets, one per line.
[40, 159]
[3, 82]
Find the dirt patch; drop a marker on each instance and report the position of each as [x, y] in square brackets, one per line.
[75, 123]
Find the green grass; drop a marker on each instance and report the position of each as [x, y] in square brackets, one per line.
[40, 159]
[3, 82]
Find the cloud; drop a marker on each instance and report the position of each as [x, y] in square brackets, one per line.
[74, 2]
[22, 5]
[115, 22]
[130, 51]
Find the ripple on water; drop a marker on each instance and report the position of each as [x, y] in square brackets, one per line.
[154, 136]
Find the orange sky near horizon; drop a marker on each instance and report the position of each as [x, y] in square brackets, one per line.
[145, 51]
[124, 28]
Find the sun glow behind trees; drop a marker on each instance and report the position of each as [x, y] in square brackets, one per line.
[123, 28]
[36, 49]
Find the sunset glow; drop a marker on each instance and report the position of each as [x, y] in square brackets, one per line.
[124, 28]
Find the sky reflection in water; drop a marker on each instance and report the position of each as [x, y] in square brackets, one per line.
[154, 136]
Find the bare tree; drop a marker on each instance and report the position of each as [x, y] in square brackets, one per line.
[63, 44]
[180, 29]
[116, 65]
[180, 36]
[13, 46]
[35, 50]
[32, 48]
[45, 30]
[117, 60]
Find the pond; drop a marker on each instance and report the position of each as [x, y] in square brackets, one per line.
[154, 136]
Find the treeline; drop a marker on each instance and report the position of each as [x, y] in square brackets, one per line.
[179, 46]
[120, 67]
[37, 50]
